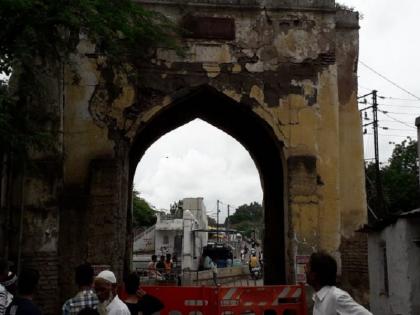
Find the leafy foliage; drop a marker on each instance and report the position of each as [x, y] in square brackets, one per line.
[211, 221]
[248, 218]
[399, 179]
[143, 213]
[19, 129]
[51, 28]
[40, 33]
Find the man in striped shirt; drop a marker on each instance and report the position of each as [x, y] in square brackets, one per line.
[86, 297]
[5, 297]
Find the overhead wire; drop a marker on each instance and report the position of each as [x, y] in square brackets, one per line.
[388, 80]
[393, 118]
[397, 98]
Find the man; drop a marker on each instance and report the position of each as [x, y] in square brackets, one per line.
[105, 285]
[321, 274]
[160, 266]
[22, 304]
[138, 301]
[206, 261]
[153, 274]
[253, 262]
[5, 296]
[85, 298]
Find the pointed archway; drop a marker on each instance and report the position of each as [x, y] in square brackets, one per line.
[255, 135]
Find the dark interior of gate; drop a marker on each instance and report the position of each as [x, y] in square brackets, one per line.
[239, 121]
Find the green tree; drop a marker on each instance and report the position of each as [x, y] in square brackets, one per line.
[247, 219]
[143, 213]
[399, 178]
[253, 212]
[211, 221]
[38, 34]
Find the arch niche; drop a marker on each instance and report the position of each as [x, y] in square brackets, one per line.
[239, 121]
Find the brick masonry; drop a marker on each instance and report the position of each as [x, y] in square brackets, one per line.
[354, 263]
[47, 265]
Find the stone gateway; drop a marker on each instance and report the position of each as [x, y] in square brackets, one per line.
[278, 76]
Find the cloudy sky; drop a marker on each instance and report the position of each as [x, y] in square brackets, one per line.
[200, 160]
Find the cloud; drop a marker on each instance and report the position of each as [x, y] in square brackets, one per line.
[198, 160]
[389, 44]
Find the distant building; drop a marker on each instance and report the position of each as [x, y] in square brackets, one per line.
[173, 233]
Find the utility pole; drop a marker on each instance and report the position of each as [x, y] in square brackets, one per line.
[227, 224]
[379, 205]
[227, 219]
[217, 223]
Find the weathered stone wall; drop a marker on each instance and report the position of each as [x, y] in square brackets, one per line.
[280, 78]
[47, 265]
[396, 248]
[354, 267]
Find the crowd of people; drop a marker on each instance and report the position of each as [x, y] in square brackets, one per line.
[164, 269]
[97, 295]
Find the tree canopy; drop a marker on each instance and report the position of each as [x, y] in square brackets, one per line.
[247, 219]
[143, 213]
[37, 33]
[399, 179]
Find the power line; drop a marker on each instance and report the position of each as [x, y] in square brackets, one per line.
[398, 99]
[390, 81]
[394, 105]
[403, 106]
[395, 113]
[400, 121]
[399, 129]
[387, 135]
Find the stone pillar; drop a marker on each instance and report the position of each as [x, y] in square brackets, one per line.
[93, 222]
[107, 215]
[418, 140]
[187, 243]
[303, 207]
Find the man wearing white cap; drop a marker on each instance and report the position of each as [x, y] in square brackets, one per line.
[106, 289]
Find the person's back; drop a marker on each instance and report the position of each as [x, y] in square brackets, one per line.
[86, 297]
[137, 300]
[151, 267]
[207, 262]
[160, 266]
[22, 304]
[253, 261]
[321, 273]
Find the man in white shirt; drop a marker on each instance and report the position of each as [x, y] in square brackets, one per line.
[321, 274]
[106, 289]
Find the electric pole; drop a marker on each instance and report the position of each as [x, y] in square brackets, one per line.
[217, 223]
[379, 204]
[227, 219]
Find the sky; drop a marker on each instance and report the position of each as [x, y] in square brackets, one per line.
[198, 160]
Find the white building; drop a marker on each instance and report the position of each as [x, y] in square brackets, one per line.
[394, 266]
[174, 234]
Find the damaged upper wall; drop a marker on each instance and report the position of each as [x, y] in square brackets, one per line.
[279, 61]
[282, 65]
[352, 175]
[291, 65]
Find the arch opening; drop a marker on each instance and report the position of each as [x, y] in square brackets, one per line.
[255, 135]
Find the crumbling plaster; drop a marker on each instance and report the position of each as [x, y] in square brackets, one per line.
[293, 68]
[282, 65]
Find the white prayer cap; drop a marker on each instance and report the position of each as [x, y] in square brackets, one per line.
[107, 275]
